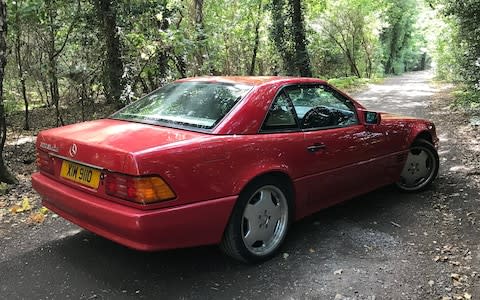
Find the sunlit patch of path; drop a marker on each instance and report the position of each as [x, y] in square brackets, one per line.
[409, 94]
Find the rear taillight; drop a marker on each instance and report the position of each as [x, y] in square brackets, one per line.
[44, 162]
[143, 190]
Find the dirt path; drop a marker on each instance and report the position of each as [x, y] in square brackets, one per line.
[383, 245]
[410, 94]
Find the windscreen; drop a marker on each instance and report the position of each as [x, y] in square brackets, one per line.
[185, 104]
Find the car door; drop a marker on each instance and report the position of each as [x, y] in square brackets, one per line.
[337, 147]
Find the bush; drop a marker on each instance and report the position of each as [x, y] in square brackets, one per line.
[348, 82]
[467, 98]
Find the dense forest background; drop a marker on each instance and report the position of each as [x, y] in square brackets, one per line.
[64, 53]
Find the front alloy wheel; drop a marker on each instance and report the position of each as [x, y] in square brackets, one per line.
[421, 167]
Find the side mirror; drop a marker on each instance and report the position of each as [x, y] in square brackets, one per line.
[372, 118]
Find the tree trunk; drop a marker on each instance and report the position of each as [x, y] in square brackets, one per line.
[113, 65]
[423, 63]
[368, 58]
[164, 55]
[302, 59]
[181, 65]
[52, 62]
[45, 90]
[162, 67]
[251, 72]
[23, 87]
[54, 90]
[353, 64]
[5, 175]
[18, 56]
[179, 59]
[200, 34]
[279, 36]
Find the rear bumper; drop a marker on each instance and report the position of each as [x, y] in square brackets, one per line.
[196, 224]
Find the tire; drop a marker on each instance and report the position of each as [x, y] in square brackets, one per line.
[421, 167]
[259, 221]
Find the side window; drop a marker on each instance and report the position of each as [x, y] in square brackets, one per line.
[281, 115]
[321, 107]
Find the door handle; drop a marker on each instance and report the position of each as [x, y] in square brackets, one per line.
[316, 147]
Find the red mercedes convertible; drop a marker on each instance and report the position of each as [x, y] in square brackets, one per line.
[227, 160]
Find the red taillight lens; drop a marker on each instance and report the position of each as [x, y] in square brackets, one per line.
[44, 162]
[143, 190]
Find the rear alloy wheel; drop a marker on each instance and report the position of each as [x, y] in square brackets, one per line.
[259, 222]
[421, 167]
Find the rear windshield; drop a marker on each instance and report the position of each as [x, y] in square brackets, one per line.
[185, 104]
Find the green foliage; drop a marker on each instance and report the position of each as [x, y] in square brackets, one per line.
[160, 41]
[232, 34]
[457, 47]
[466, 97]
[352, 82]
[397, 37]
[466, 15]
[448, 53]
[347, 34]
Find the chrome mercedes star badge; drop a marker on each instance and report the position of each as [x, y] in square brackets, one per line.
[73, 150]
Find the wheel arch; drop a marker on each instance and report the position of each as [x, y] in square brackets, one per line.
[424, 135]
[421, 130]
[279, 175]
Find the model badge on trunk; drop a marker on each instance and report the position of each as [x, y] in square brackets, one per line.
[49, 147]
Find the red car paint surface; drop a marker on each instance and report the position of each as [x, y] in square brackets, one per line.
[207, 170]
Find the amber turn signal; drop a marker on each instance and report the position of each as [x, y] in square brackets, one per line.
[142, 190]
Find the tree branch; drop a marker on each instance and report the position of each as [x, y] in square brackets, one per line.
[70, 29]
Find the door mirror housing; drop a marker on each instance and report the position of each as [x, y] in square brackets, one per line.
[371, 117]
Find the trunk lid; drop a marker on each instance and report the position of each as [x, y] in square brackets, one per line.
[110, 144]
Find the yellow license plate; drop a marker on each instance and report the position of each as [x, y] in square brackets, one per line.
[80, 174]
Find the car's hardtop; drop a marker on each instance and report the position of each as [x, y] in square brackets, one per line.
[264, 90]
[246, 114]
[254, 80]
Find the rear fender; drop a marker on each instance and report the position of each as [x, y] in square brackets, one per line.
[256, 172]
[299, 194]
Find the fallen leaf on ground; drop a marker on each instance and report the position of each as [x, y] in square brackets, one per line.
[456, 279]
[15, 209]
[467, 296]
[440, 258]
[25, 206]
[36, 218]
